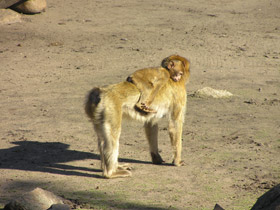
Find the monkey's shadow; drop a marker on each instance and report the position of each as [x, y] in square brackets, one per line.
[50, 157]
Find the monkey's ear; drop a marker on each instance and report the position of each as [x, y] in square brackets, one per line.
[164, 63]
[184, 64]
[170, 65]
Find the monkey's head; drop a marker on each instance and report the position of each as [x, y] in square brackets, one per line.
[177, 66]
[176, 70]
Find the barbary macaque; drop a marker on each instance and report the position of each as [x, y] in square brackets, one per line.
[106, 107]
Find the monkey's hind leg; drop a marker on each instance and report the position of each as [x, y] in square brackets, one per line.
[149, 93]
[145, 100]
[142, 107]
[110, 151]
[112, 169]
[146, 88]
[124, 166]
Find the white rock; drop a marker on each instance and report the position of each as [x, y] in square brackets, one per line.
[32, 6]
[210, 92]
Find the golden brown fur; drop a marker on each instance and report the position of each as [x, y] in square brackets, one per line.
[107, 106]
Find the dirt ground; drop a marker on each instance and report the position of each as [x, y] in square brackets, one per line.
[231, 147]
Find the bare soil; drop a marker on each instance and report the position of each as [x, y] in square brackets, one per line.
[231, 147]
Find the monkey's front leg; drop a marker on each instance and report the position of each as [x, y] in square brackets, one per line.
[175, 133]
[152, 136]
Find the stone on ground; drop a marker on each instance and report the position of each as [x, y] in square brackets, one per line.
[210, 92]
[36, 199]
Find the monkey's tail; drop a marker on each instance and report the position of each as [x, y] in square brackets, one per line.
[92, 101]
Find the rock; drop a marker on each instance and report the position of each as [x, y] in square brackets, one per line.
[8, 16]
[38, 199]
[250, 101]
[7, 3]
[218, 207]
[269, 201]
[59, 207]
[31, 6]
[210, 92]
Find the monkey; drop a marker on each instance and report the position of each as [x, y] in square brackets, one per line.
[106, 107]
[150, 80]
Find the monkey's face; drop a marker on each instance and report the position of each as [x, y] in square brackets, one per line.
[176, 76]
[176, 71]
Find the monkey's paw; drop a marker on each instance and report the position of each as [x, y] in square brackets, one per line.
[143, 107]
[124, 166]
[178, 163]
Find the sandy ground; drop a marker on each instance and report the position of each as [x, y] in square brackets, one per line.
[231, 147]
